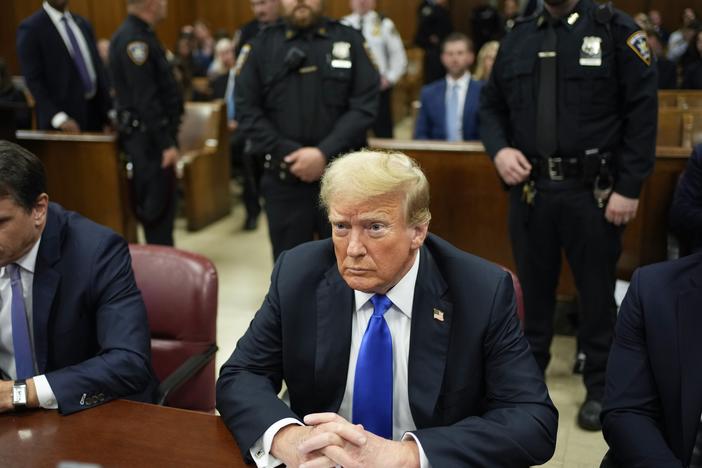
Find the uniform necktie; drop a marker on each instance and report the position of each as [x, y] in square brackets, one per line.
[24, 363]
[452, 123]
[696, 460]
[78, 58]
[372, 389]
[546, 112]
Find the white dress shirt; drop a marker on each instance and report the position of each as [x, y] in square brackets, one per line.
[399, 320]
[56, 16]
[46, 396]
[384, 42]
[462, 83]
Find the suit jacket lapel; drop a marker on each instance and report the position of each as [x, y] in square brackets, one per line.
[429, 340]
[334, 314]
[470, 109]
[55, 36]
[46, 283]
[441, 106]
[689, 308]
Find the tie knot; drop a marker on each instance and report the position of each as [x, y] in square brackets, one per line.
[381, 304]
[14, 271]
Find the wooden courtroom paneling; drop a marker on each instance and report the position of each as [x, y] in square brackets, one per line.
[469, 205]
[84, 174]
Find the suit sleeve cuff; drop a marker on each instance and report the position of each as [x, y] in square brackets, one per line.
[261, 449]
[45, 395]
[423, 460]
[59, 119]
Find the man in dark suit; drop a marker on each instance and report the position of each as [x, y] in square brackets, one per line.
[73, 325]
[686, 210]
[62, 68]
[450, 105]
[416, 341]
[653, 399]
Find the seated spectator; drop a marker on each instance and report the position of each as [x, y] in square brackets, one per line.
[203, 52]
[182, 64]
[449, 106]
[409, 347]
[677, 43]
[651, 415]
[686, 210]
[9, 94]
[223, 52]
[657, 23]
[692, 68]
[485, 61]
[667, 71]
[74, 327]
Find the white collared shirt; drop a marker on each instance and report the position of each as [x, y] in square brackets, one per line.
[462, 83]
[384, 42]
[56, 16]
[399, 320]
[27, 263]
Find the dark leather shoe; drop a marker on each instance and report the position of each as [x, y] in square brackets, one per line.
[589, 416]
[251, 223]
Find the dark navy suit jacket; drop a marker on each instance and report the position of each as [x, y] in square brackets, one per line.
[653, 397]
[686, 210]
[431, 122]
[476, 394]
[91, 335]
[52, 76]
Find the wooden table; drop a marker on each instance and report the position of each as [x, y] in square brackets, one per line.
[118, 434]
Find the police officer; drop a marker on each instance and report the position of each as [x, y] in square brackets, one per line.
[569, 118]
[266, 13]
[388, 51]
[433, 26]
[306, 91]
[149, 106]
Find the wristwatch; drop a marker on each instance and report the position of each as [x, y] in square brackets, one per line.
[19, 394]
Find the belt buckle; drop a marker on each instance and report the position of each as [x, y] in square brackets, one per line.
[555, 168]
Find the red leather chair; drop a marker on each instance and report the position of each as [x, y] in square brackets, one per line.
[180, 293]
[518, 294]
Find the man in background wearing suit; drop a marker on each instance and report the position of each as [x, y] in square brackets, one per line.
[653, 398]
[62, 68]
[391, 328]
[450, 105]
[73, 329]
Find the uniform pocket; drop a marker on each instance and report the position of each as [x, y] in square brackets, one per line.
[519, 78]
[337, 84]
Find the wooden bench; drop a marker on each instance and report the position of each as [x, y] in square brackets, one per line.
[85, 174]
[680, 99]
[679, 127]
[470, 207]
[205, 166]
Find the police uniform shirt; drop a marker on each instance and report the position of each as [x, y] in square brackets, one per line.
[316, 87]
[45, 394]
[384, 41]
[606, 91]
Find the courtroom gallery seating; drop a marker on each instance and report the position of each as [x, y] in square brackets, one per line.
[180, 293]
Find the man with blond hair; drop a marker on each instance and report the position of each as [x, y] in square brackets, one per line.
[397, 349]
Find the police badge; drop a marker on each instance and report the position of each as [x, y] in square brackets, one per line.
[591, 52]
[138, 52]
[341, 52]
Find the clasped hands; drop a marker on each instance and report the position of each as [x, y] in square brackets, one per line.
[329, 440]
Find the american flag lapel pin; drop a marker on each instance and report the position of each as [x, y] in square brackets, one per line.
[438, 315]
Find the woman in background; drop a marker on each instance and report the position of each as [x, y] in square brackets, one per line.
[486, 59]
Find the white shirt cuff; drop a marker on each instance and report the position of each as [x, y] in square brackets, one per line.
[261, 449]
[45, 395]
[58, 120]
[423, 460]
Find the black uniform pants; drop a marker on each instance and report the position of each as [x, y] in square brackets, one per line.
[383, 126]
[251, 169]
[294, 214]
[566, 216]
[153, 188]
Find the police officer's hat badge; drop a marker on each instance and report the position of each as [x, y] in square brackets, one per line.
[341, 50]
[138, 52]
[638, 43]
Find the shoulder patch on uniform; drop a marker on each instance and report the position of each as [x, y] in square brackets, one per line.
[370, 55]
[637, 42]
[138, 52]
[241, 60]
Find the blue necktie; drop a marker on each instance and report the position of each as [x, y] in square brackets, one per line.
[78, 58]
[452, 123]
[20, 330]
[372, 389]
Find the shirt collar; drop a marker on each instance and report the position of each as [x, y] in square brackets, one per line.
[29, 260]
[462, 81]
[54, 14]
[401, 295]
